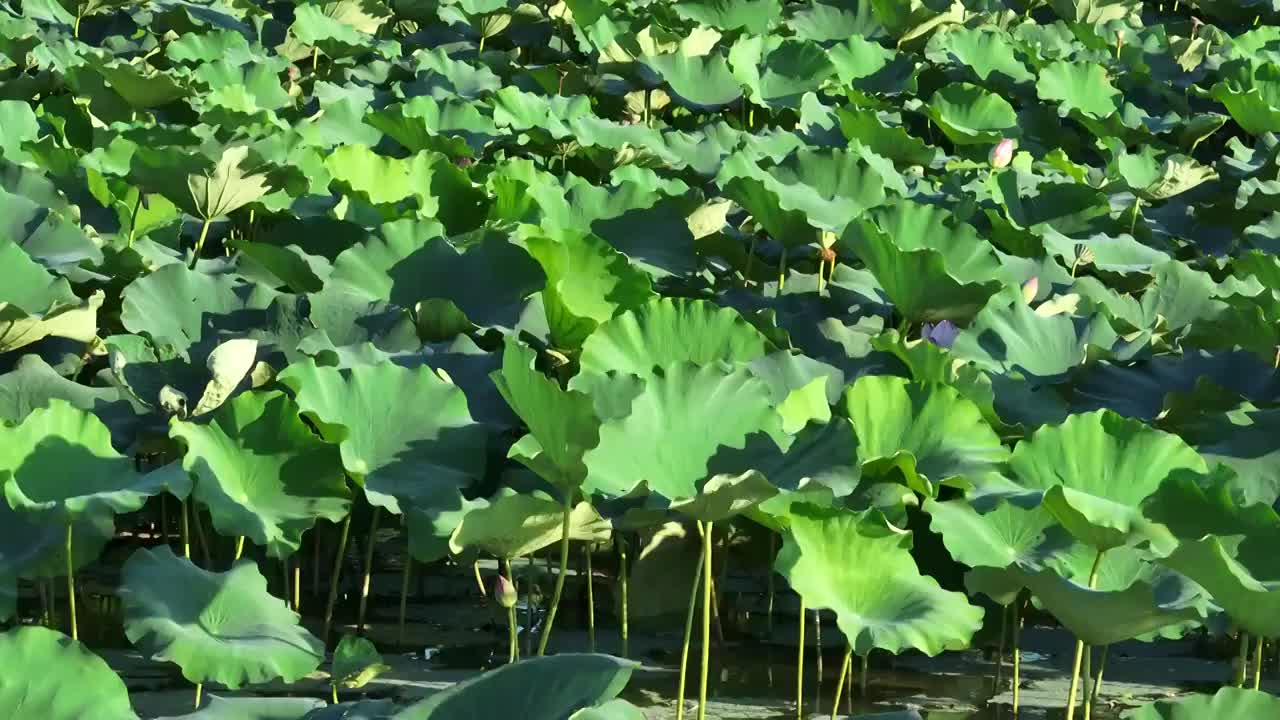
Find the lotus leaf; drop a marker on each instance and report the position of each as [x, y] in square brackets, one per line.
[59, 678]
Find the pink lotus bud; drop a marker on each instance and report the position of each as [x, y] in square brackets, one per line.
[505, 591]
[1002, 153]
[1030, 288]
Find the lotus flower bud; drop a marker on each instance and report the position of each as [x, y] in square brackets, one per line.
[1002, 153]
[943, 334]
[1030, 288]
[505, 591]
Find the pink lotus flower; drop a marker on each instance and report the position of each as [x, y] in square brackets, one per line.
[1030, 288]
[1002, 153]
[505, 591]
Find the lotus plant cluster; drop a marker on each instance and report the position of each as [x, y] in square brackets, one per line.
[578, 300]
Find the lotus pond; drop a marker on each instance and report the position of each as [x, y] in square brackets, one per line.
[609, 359]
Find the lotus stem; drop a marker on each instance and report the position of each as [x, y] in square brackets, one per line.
[591, 604]
[647, 118]
[513, 644]
[688, 635]
[334, 689]
[368, 571]
[1133, 217]
[817, 642]
[1080, 647]
[564, 566]
[1017, 656]
[1242, 661]
[404, 594]
[1086, 675]
[751, 256]
[186, 532]
[200, 536]
[622, 579]
[481, 50]
[297, 584]
[200, 691]
[239, 548]
[822, 266]
[1257, 663]
[1004, 636]
[204, 234]
[336, 577]
[71, 583]
[1097, 682]
[782, 271]
[865, 676]
[707, 600]
[845, 667]
[475, 566]
[75, 29]
[773, 551]
[529, 571]
[800, 667]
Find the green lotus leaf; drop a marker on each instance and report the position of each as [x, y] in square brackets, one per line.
[932, 266]
[262, 473]
[1251, 93]
[986, 50]
[778, 71]
[1083, 87]
[760, 198]
[59, 679]
[835, 20]
[683, 415]
[60, 459]
[34, 545]
[516, 525]
[453, 127]
[1242, 438]
[356, 662]
[885, 139]
[253, 708]
[209, 303]
[970, 115]
[1133, 597]
[1009, 336]
[47, 237]
[404, 434]
[861, 569]
[724, 496]
[545, 688]
[752, 16]
[1006, 536]
[1227, 704]
[612, 710]
[32, 383]
[21, 125]
[829, 188]
[431, 524]
[1094, 470]
[217, 627]
[1154, 178]
[562, 423]
[703, 81]
[228, 188]
[869, 67]
[381, 709]
[929, 433]
[1251, 603]
[141, 89]
[588, 281]
[671, 330]
[35, 304]
[336, 31]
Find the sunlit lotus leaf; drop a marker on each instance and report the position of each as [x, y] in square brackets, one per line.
[60, 679]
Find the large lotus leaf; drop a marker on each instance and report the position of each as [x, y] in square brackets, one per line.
[35, 304]
[829, 187]
[1009, 336]
[753, 16]
[682, 416]
[32, 383]
[932, 266]
[545, 688]
[1227, 704]
[60, 459]
[777, 71]
[612, 710]
[819, 456]
[929, 433]
[56, 678]
[431, 524]
[726, 495]
[263, 474]
[702, 81]
[517, 525]
[986, 50]
[562, 423]
[764, 203]
[177, 306]
[1251, 603]
[453, 127]
[33, 545]
[588, 282]
[228, 188]
[884, 138]
[412, 263]
[869, 67]
[1080, 86]
[970, 115]
[1251, 93]
[671, 330]
[1094, 470]
[139, 85]
[1008, 535]
[328, 27]
[47, 237]
[356, 662]
[1244, 439]
[441, 189]
[404, 434]
[218, 627]
[855, 565]
[252, 708]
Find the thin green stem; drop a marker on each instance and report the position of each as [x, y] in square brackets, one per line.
[133, 218]
[368, 570]
[204, 235]
[297, 584]
[559, 590]
[800, 666]
[186, 532]
[1097, 681]
[1133, 217]
[591, 604]
[1075, 669]
[1257, 663]
[688, 636]
[707, 600]
[782, 271]
[239, 548]
[822, 266]
[1242, 661]
[1017, 656]
[475, 567]
[513, 645]
[845, 668]
[530, 571]
[334, 689]
[336, 577]
[405, 576]
[481, 50]
[71, 584]
[622, 579]
[75, 30]
[1086, 675]
[200, 692]
[817, 643]
[1004, 637]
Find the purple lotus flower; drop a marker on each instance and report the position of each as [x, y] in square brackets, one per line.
[1002, 153]
[943, 334]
